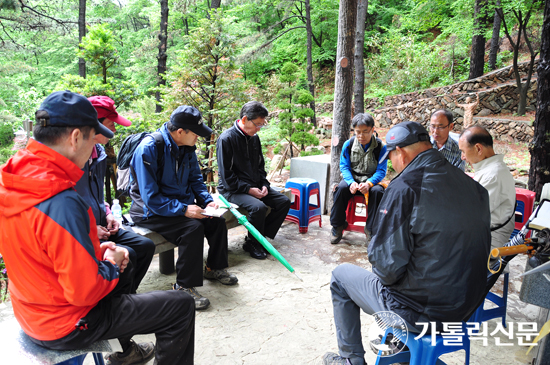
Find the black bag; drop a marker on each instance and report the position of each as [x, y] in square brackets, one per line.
[126, 153]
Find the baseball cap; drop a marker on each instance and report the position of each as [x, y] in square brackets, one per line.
[404, 134]
[188, 117]
[65, 108]
[105, 107]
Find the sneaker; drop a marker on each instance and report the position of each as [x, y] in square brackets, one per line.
[255, 249]
[200, 301]
[139, 353]
[221, 275]
[336, 233]
[330, 358]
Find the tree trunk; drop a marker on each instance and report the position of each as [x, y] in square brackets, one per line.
[343, 86]
[310, 80]
[477, 55]
[215, 4]
[359, 87]
[81, 34]
[539, 173]
[162, 56]
[495, 40]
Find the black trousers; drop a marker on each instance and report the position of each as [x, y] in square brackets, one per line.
[170, 315]
[257, 209]
[141, 250]
[342, 195]
[188, 234]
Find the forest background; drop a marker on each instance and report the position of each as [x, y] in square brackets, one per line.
[151, 56]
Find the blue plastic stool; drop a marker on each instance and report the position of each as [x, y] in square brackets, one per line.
[79, 360]
[421, 351]
[482, 315]
[301, 210]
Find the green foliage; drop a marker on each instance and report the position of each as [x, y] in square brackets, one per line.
[98, 48]
[6, 134]
[313, 152]
[3, 280]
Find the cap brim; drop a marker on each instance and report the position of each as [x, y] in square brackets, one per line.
[201, 130]
[101, 129]
[121, 120]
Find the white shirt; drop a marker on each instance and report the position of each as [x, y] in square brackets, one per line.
[493, 174]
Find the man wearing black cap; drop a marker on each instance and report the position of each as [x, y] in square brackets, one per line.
[430, 252]
[68, 290]
[170, 198]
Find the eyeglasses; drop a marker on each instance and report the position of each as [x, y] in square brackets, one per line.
[258, 126]
[438, 127]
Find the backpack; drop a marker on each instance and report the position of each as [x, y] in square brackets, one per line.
[376, 151]
[126, 153]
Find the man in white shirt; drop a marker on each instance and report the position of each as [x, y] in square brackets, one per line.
[476, 145]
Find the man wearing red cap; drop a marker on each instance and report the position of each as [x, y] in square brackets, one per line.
[91, 188]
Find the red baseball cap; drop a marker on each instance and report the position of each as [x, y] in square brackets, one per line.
[105, 107]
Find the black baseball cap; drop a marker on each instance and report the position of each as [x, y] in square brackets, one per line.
[65, 108]
[404, 134]
[188, 117]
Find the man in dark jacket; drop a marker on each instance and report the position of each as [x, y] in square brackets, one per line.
[169, 197]
[242, 176]
[429, 255]
[91, 187]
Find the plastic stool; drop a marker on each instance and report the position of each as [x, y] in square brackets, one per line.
[351, 214]
[482, 315]
[422, 352]
[525, 201]
[79, 360]
[301, 210]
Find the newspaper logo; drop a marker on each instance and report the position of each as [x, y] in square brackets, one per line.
[388, 334]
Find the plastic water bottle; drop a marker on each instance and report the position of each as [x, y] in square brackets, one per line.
[117, 211]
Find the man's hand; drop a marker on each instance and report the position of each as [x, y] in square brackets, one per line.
[364, 187]
[112, 224]
[115, 254]
[194, 211]
[103, 233]
[353, 187]
[257, 193]
[212, 204]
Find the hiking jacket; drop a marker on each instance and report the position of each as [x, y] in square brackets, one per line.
[432, 243]
[168, 189]
[241, 164]
[347, 170]
[48, 238]
[91, 185]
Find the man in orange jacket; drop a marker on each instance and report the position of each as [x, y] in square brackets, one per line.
[67, 289]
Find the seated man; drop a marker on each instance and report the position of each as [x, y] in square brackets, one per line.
[429, 256]
[91, 187]
[169, 198]
[492, 173]
[361, 172]
[441, 124]
[242, 176]
[67, 289]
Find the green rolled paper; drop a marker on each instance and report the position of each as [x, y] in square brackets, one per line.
[268, 246]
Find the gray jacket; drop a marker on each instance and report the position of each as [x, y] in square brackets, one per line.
[433, 242]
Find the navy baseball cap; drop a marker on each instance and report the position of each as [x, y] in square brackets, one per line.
[404, 134]
[188, 117]
[65, 108]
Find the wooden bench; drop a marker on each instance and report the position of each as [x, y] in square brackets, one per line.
[17, 348]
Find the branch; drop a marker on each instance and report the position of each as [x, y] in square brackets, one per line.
[63, 23]
[280, 35]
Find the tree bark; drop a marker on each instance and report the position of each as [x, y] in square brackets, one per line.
[539, 173]
[81, 34]
[310, 80]
[343, 86]
[477, 54]
[495, 39]
[215, 4]
[359, 87]
[162, 56]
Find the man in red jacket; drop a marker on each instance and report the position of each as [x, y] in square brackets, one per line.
[67, 289]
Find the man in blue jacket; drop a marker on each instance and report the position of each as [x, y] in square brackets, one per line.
[91, 187]
[361, 173]
[169, 197]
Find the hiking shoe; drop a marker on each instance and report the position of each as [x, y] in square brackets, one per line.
[336, 233]
[221, 275]
[139, 353]
[330, 358]
[200, 301]
[255, 249]
[391, 347]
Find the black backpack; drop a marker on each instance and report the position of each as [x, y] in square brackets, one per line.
[126, 153]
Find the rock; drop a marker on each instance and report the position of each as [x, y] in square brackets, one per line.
[484, 112]
[275, 161]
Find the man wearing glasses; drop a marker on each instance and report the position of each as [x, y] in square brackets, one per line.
[441, 123]
[242, 176]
